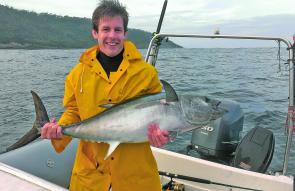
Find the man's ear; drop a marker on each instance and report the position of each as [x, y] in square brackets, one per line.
[125, 35]
[94, 34]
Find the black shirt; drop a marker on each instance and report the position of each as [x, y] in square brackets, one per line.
[110, 64]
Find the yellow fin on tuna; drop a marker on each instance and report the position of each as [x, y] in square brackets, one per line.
[107, 106]
[112, 147]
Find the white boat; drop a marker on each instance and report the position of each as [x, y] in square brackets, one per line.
[36, 166]
[247, 169]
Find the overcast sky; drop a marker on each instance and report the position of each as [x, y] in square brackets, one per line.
[187, 16]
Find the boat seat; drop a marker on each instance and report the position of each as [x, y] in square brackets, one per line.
[255, 151]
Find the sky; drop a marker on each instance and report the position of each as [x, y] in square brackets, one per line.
[182, 16]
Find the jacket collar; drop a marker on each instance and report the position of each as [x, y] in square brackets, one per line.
[130, 53]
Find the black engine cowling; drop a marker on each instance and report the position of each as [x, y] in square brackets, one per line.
[221, 137]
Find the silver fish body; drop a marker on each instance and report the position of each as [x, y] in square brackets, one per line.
[127, 122]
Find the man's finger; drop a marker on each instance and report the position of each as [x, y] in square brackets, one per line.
[59, 132]
[163, 140]
[157, 141]
[53, 120]
[44, 130]
[165, 133]
[54, 131]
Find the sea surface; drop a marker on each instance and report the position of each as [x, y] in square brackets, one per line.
[253, 77]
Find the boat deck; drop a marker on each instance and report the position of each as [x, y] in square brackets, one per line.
[13, 179]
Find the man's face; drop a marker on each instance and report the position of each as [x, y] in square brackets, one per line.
[110, 35]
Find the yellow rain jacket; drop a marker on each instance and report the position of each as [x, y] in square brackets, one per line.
[131, 167]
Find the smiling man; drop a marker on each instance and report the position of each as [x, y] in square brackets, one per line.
[110, 35]
[109, 72]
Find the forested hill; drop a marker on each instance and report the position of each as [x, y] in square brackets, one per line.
[23, 29]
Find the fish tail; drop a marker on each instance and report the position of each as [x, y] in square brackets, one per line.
[34, 133]
[41, 113]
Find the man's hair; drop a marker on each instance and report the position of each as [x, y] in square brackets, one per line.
[109, 8]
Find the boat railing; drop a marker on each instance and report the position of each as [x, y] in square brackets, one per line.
[152, 53]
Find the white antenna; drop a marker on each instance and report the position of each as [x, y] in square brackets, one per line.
[217, 31]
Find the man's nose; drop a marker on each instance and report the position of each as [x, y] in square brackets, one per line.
[112, 33]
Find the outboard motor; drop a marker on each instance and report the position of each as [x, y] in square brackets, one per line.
[220, 138]
[255, 151]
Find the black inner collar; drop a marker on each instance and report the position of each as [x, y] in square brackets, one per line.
[110, 64]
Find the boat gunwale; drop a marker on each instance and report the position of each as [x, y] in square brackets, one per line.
[153, 49]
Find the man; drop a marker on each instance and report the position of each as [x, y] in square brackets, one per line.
[110, 72]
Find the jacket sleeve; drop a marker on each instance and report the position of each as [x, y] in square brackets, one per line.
[70, 115]
[155, 84]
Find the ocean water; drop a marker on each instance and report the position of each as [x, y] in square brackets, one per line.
[253, 77]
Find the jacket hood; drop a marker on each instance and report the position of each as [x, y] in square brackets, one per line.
[130, 53]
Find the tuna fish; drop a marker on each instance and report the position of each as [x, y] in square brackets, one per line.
[127, 122]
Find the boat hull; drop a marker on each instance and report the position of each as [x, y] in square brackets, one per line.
[40, 159]
[194, 167]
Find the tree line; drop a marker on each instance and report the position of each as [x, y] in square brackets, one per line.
[25, 29]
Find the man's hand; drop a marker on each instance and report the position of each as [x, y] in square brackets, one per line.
[51, 130]
[156, 136]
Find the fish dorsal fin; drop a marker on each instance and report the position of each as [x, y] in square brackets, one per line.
[171, 95]
[112, 147]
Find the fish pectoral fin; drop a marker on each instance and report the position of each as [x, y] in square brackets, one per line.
[107, 106]
[112, 147]
[190, 128]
